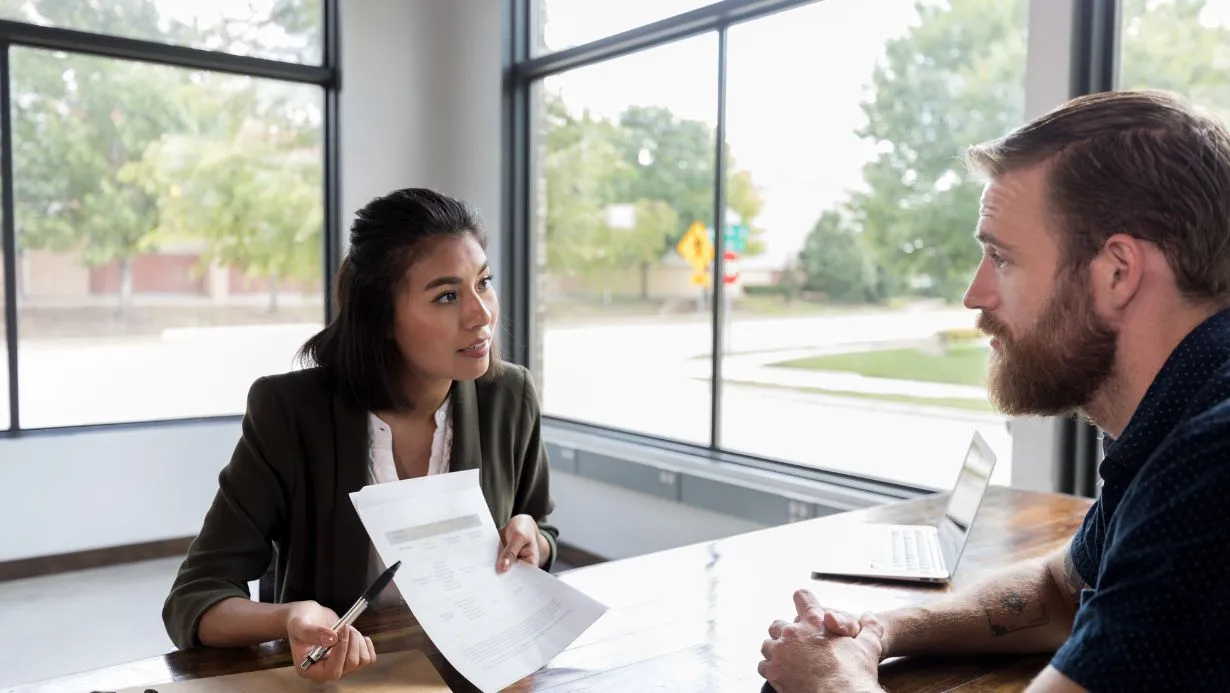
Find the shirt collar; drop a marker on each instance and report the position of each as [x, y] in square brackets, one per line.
[441, 417]
[442, 412]
[1171, 397]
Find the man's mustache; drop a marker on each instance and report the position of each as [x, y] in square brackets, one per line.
[991, 327]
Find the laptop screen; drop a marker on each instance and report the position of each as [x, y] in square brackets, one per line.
[966, 497]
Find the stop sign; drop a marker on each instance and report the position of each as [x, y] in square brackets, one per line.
[730, 267]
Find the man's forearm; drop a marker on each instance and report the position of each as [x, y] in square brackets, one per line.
[1021, 610]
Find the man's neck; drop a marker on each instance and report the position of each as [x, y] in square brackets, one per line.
[1144, 347]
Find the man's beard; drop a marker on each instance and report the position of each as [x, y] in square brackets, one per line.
[1059, 366]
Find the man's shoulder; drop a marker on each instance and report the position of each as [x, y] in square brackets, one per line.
[1202, 426]
[1206, 421]
[1191, 465]
[1211, 390]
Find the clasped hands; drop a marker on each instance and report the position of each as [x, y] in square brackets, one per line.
[309, 624]
[822, 650]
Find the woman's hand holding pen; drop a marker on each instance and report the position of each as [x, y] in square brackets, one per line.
[309, 624]
[520, 539]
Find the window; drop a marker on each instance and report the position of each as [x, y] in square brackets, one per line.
[847, 223]
[566, 23]
[169, 221]
[278, 29]
[4, 349]
[626, 165]
[1178, 45]
[852, 222]
[181, 260]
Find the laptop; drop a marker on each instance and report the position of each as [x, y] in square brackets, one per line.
[917, 553]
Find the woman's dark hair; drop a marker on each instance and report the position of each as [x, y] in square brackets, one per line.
[357, 349]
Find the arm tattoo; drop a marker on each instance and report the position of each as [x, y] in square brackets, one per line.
[1012, 611]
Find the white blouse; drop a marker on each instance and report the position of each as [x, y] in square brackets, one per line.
[382, 469]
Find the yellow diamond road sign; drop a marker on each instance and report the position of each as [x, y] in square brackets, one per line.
[695, 246]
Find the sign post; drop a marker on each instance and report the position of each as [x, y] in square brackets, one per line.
[697, 249]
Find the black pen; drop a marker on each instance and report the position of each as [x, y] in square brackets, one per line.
[317, 653]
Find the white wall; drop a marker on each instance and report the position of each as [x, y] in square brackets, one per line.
[615, 522]
[421, 102]
[420, 107]
[69, 492]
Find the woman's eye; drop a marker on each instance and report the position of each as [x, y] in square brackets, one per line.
[447, 297]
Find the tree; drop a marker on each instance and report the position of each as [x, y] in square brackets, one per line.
[649, 159]
[579, 159]
[672, 159]
[744, 198]
[78, 120]
[1166, 45]
[252, 196]
[836, 263]
[955, 79]
[654, 222]
[667, 159]
[83, 125]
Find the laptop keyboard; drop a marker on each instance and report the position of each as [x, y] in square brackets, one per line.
[910, 552]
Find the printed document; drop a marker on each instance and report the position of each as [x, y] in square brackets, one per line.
[495, 629]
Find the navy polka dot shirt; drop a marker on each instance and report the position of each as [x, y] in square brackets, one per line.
[1155, 547]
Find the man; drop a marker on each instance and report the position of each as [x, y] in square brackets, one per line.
[1104, 285]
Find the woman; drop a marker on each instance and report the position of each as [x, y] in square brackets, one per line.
[402, 384]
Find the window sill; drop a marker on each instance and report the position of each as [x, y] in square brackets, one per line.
[751, 489]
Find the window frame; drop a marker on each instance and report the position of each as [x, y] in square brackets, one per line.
[1093, 52]
[326, 75]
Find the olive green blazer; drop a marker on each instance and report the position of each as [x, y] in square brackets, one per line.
[283, 499]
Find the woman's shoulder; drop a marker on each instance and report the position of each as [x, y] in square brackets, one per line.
[309, 388]
[507, 384]
[504, 377]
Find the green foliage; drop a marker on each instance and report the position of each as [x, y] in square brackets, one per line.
[112, 157]
[837, 263]
[955, 79]
[772, 290]
[578, 160]
[961, 334]
[648, 158]
[654, 223]
[961, 365]
[667, 159]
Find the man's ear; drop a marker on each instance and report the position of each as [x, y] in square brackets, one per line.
[1118, 271]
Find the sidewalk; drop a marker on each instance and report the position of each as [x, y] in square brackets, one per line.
[755, 368]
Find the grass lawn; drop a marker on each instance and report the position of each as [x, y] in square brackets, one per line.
[962, 365]
[979, 405]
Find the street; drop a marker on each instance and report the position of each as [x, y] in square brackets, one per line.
[639, 377]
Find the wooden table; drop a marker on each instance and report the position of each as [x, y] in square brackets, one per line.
[693, 618]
